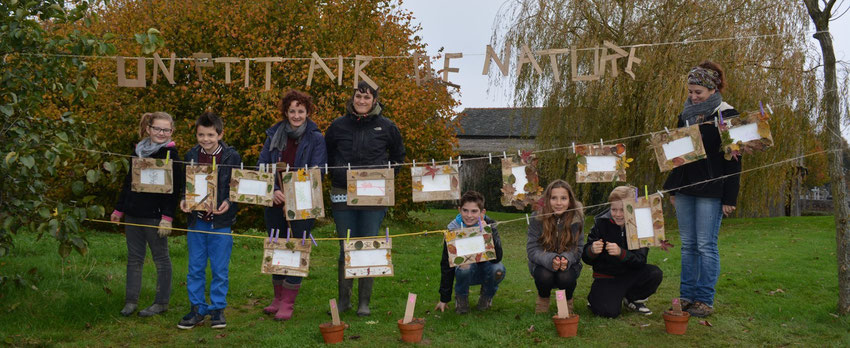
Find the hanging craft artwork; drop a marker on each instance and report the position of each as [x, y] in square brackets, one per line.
[745, 134]
[435, 183]
[303, 192]
[366, 258]
[371, 187]
[152, 175]
[677, 147]
[286, 256]
[252, 187]
[601, 163]
[201, 187]
[470, 245]
[520, 182]
[644, 222]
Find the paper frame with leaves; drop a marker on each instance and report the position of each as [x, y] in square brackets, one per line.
[142, 164]
[211, 182]
[244, 174]
[532, 191]
[388, 198]
[304, 247]
[368, 271]
[452, 237]
[657, 217]
[733, 150]
[589, 150]
[418, 174]
[288, 184]
[658, 141]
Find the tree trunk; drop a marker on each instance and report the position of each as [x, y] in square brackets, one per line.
[833, 123]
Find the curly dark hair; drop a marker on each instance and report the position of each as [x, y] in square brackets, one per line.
[301, 98]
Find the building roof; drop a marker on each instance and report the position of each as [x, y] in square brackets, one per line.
[499, 123]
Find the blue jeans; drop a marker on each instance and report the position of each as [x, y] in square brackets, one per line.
[275, 220]
[213, 247]
[699, 224]
[486, 274]
[362, 223]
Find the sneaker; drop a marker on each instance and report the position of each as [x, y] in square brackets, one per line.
[484, 302]
[700, 309]
[217, 319]
[686, 304]
[638, 306]
[191, 320]
[128, 309]
[462, 304]
[154, 309]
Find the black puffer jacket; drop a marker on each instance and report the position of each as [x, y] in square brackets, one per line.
[605, 265]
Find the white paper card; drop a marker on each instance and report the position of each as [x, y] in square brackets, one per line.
[469, 246]
[601, 163]
[440, 182]
[200, 187]
[744, 133]
[152, 176]
[371, 187]
[643, 219]
[521, 180]
[286, 258]
[252, 187]
[372, 257]
[678, 147]
[303, 195]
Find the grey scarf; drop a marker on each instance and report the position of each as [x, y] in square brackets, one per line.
[697, 113]
[285, 132]
[146, 147]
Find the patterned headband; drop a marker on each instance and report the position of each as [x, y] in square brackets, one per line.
[704, 77]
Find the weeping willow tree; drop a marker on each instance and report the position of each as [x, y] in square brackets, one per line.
[762, 45]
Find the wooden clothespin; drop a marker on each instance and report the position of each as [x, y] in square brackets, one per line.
[687, 124]
[349, 166]
[667, 130]
[192, 162]
[527, 221]
[450, 160]
[241, 166]
[433, 164]
[660, 193]
[490, 157]
[389, 164]
[414, 163]
[574, 147]
[504, 155]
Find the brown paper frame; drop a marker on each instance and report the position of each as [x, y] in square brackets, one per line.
[287, 183]
[659, 139]
[534, 190]
[451, 238]
[152, 163]
[616, 150]
[654, 203]
[239, 174]
[370, 271]
[212, 187]
[293, 245]
[734, 149]
[388, 199]
[417, 173]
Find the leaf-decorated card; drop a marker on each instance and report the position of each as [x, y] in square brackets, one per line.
[644, 222]
[284, 257]
[252, 187]
[365, 258]
[520, 182]
[303, 192]
[435, 183]
[201, 181]
[746, 133]
[601, 163]
[677, 147]
[470, 245]
[152, 175]
[371, 187]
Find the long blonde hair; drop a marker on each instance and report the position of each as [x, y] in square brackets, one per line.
[149, 117]
[551, 239]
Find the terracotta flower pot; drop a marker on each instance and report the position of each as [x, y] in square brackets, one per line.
[567, 327]
[333, 333]
[676, 324]
[412, 331]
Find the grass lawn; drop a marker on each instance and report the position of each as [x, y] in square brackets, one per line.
[778, 287]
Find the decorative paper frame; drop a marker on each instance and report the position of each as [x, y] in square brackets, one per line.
[419, 173]
[532, 188]
[660, 139]
[240, 174]
[616, 150]
[378, 243]
[657, 216]
[140, 164]
[292, 245]
[212, 187]
[733, 150]
[388, 175]
[452, 237]
[287, 183]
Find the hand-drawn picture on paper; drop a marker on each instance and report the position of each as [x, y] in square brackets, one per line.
[152, 175]
[644, 222]
[252, 187]
[201, 181]
[303, 192]
[371, 187]
[470, 245]
[677, 147]
[435, 183]
[370, 257]
[287, 257]
[520, 182]
[745, 134]
[601, 163]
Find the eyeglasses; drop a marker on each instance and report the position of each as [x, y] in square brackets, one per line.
[160, 130]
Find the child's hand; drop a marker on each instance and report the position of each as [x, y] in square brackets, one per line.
[441, 306]
[184, 207]
[613, 249]
[278, 197]
[596, 247]
[564, 263]
[115, 217]
[164, 228]
[222, 208]
[556, 263]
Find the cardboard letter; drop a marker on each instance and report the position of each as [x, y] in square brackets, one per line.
[447, 67]
[317, 61]
[503, 64]
[553, 60]
[227, 61]
[618, 53]
[525, 56]
[202, 60]
[632, 59]
[417, 57]
[139, 81]
[158, 64]
[269, 61]
[574, 66]
[361, 62]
